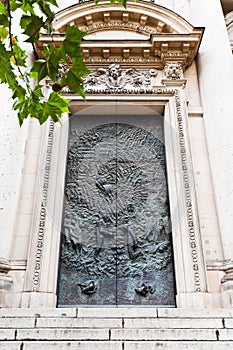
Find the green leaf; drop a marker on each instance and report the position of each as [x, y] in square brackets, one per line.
[124, 3]
[31, 25]
[54, 107]
[46, 10]
[20, 55]
[73, 81]
[3, 9]
[37, 92]
[25, 5]
[3, 33]
[28, 101]
[52, 55]
[4, 20]
[53, 2]
[19, 94]
[58, 102]
[14, 5]
[72, 41]
[79, 66]
[39, 70]
[23, 110]
[6, 71]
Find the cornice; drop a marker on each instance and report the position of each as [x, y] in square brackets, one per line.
[156, 51]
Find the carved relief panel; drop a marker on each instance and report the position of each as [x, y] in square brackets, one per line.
[116, 236]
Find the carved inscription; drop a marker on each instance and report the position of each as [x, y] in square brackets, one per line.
[115, 235]
[188, 198]
[42, 214]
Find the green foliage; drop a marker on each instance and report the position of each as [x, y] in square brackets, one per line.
[27, 83]
[123, 2]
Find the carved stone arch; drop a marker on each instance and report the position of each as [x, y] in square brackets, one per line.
[150, 17]
[165, 36]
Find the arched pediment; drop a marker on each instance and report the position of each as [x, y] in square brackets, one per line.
[143, 33]
[140, 16]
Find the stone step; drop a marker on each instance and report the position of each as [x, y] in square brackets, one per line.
[131, 323]
[115, 345]
[116, 329]
[115, 334]
[138, 312]
[82, 322]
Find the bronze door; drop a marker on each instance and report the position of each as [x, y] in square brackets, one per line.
[116, 239]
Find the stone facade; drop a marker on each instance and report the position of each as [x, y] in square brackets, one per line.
[176, 61]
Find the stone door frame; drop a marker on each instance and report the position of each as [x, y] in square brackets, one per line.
[43, 259]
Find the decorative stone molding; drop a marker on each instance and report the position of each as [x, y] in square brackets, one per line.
[225, 266]
[193, 230]
[154, 17]
[118, 80]
[152, 52]
[227, 280]
[173, 70]
[4, 270]
[229, 24]
[43, 211]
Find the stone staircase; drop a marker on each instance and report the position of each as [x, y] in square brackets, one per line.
[116, 329]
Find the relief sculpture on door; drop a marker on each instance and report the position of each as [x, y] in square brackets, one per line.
[116, 234]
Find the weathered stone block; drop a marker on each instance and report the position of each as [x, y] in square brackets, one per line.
[115, 313]
[195, 313]
[10, 345]
[228, 322]
[62, 334]
[172, 323]
[163, 334]
[226, 334]
[100, 345]
[7, 334]
[17, 322]
[177, 345]
[39, 312]
[79, 323]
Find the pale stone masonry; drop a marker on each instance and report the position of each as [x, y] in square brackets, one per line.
[113, 329]
[180, 53]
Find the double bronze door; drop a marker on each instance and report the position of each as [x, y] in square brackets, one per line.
[116, 235]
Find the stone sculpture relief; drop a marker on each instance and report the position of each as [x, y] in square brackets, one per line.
[173, 70]
[115, 79]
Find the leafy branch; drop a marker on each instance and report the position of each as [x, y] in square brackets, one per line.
[26, 83]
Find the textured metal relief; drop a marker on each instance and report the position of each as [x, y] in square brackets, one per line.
[115, 247]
